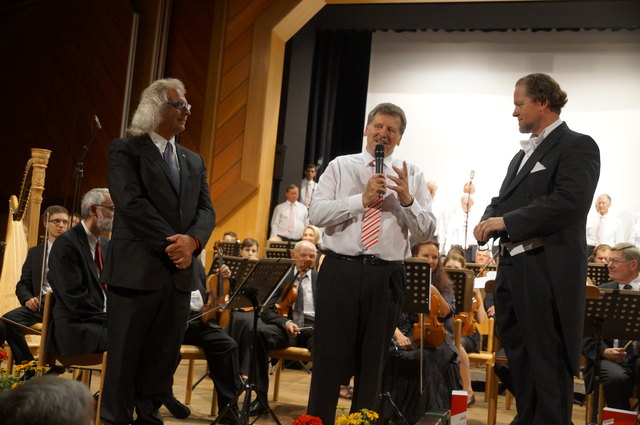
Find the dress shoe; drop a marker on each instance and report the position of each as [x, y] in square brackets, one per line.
[257, 408]
[472, 400]
[232, 417]
[177, 409]
[56, 370]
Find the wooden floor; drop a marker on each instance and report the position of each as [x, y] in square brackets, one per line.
[294, 390]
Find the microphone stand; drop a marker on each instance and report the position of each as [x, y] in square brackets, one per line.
[79, 170]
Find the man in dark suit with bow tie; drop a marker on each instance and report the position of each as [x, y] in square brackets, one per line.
[619, 366]
[79, 318]
[164, 220]
[540, 216]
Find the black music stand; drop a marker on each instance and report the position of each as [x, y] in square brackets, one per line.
[230, 248]
[277, 253]
[417, 299]
[462, 288]
[598, 273]
[254, 291]
[609, 313]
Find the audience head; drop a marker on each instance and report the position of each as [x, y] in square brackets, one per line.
[624, 263]
[385, 126]
[455, 261]
[483, 256]
[47, 400]
[312, 234]
[249, 248]
[229, 237]
[153, 113]
[304, 251]
[310, 171]
[432, 187]
[58, 221]
[97, 210]
[466, 202]
[600, 254]
[292, 193]
[603, 203]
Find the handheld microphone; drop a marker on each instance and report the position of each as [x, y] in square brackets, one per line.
[95, 118]
[379, 158]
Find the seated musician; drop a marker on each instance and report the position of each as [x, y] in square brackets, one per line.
[600, 254]
[221, 352]
[468, 343]
[440, 364]
[242, 321]
[79, 323]
[279, 329]
[620, 363]
[32, 286]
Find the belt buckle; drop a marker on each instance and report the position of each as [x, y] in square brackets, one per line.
[370, 259]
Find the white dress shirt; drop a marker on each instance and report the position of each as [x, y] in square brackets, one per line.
[635, 283]
[161, 144]
[280, 220]
[609, 228]
[337, 205]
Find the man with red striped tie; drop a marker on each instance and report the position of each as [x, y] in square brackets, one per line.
[368, 217]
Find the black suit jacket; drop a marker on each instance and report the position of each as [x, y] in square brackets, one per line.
[149, 209]
[269, 313]
[78, 309]
[553, 203]
[29, 284]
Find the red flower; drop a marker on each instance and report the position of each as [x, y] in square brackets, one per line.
[3, 354]
[307, 420]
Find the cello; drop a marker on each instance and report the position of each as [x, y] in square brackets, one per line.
[290, 290]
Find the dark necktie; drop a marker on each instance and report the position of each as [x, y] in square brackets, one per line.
[298, 306]
[98, 257]
[174, 174]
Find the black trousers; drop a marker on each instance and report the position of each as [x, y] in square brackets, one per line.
[529, 329]
[222, 358]
[146, 329]
[618, 381]
[357, 307]
[15, 337]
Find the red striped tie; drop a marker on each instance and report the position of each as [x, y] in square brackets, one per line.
[371, 224]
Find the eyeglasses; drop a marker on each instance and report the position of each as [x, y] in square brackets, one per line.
[182, 106]
[616, 261]
[109, 207]
[59, 221]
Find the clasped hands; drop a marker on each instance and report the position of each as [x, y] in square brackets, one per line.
[377, 186]
[180, 250]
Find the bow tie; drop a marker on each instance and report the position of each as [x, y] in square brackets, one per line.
[529, 145]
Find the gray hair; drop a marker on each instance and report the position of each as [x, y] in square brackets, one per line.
[47, 400]
[629, 251]
[92, 197]
[301, 244]
[147, 116]
[389, 109]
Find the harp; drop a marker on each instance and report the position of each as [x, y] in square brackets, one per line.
[23, 226]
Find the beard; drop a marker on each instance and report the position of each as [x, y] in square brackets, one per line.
[105, 224]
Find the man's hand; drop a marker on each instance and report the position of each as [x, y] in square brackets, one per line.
[614, 354]
[485, 228]
[376, 187]
[401, 184]
[292, 329]
[33, 304]
[181, 250]
[403, 342]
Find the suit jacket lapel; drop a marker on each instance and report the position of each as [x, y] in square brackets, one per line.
[154, 155]
[86, 251]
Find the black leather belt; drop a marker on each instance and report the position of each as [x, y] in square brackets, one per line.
[363, 259]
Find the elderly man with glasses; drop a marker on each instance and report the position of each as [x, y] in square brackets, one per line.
[619, 372]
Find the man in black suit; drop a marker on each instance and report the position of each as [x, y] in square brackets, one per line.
[296, 329]
[164, 220]
[29, 289]
[540, 215]
[619, 367]
[79, 319]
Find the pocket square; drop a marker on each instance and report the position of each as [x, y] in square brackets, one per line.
[537, 167]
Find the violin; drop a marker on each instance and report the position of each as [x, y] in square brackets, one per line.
[290, 290]
[218, 289]
[430, 330]
[468, 318]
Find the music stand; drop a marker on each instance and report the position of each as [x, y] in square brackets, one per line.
[462, 288]
[609, 313]
[254, 291]
[239, 267]
[277, 253]
[598, 273]
[230, 248]
[417, 299]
